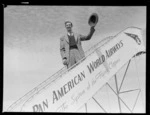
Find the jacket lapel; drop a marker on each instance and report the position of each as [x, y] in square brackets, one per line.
[67, 39]
[75, 36]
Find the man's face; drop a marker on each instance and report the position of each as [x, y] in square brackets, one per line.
[68, 26]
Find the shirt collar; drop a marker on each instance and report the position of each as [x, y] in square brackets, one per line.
[70, 34]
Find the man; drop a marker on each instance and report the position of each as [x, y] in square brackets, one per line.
[70, 45]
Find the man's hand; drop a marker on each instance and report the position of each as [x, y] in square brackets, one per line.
[92, 28]
[65, 62]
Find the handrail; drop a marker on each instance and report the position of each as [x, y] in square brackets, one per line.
[51, 79]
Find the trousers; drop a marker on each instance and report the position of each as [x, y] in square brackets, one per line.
[74, 57]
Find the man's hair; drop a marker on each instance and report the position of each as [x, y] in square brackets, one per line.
[68, 22]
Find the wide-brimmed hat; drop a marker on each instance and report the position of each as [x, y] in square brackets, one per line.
[93, 19]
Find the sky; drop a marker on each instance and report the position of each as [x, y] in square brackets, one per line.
[32, 33]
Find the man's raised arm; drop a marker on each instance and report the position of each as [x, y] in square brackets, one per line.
[88, 37]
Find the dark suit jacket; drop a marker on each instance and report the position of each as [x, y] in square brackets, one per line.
[64, 44]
